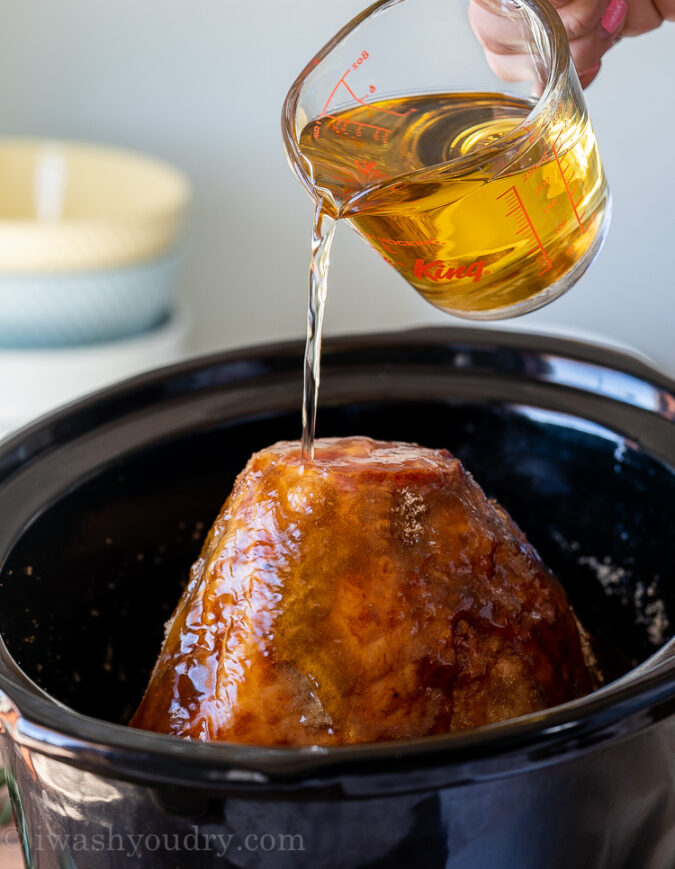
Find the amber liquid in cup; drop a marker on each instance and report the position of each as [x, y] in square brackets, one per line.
[470, 236]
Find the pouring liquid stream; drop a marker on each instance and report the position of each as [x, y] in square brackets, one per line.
[323, 231]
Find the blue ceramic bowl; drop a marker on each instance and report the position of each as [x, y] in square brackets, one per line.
[75, 308]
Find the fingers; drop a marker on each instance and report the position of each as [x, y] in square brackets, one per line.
[588, 50]
[580, 17]
[507, 51]
[614, 17]
[497, 33]
[510, 67]
[505, 47]
[588, 77]
[592, 26]
[643, 16]
[666, 9]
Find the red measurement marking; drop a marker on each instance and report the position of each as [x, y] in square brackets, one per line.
[563, 172]
[369, 170]
[324, 111]
[341, 125]
[365, 172]
[342, 82]
[525, 226]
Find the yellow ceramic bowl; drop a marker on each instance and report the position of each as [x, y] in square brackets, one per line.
[66, 206]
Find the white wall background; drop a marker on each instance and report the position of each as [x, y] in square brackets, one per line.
[201, 83]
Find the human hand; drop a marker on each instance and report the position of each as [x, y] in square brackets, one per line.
[592, 26]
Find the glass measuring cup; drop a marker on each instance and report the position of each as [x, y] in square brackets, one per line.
[488, 197]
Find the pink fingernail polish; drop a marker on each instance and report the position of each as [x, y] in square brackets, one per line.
[614, 17]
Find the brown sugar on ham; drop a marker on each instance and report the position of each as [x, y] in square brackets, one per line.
[372, 594]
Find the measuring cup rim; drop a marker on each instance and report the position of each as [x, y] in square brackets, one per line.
[560, 69]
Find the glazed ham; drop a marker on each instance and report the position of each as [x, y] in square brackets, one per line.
[372, 594]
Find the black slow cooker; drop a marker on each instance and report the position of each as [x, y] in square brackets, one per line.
[103, 508]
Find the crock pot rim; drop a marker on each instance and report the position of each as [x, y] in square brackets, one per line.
[52, 729]
[546, 344]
